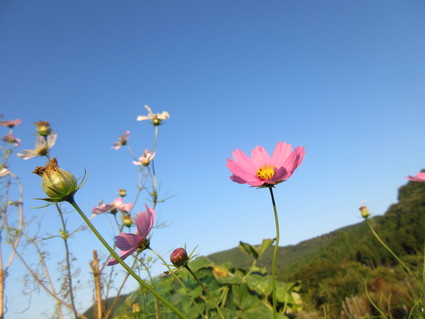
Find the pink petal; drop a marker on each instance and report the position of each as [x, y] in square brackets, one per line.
[144, 222]
[260, 157]
[239, 170]
[126, 241]
[118, 201]
[244, 161]
[419, 177]
[294, 160]
[281, 153]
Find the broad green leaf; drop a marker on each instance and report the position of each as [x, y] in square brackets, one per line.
[200, 262]
[260, 284]
[243, 298]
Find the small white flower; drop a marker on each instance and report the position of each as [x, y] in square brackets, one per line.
[155, 118]
[145, 159]
[42, 146]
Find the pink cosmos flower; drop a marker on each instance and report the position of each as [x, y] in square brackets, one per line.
[119, 204]
[102, 208]
[10, 123]
[42, 146]
[129, 243]
[420, 177]
[260, 169]
[9, 138]
[155, 118]
[122, 140]
[145, 159]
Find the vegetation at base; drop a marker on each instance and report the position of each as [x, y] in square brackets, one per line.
[344, 274]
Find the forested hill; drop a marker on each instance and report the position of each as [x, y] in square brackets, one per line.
[401, 227]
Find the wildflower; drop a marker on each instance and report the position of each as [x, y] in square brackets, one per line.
[261, 170]
[9, 138]
[10, 123]
[129, 243]
[122, 192]
[43, 128]
[119, 204]
[145, 159]
[58, 184]
[103, 208]
[42, 146]
[179, 257]
[155, 118]
[122, 140]
[364, 212]
[419, 177]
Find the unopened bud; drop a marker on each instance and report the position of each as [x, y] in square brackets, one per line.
[127, 221]
[43, 128]
[122, 192]
[179, 257]
[135, 308]
[364, 212]
[58, 184]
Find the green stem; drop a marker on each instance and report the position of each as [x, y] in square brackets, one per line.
[123, 264]
[68, 262]
[275, 251]
[170, 270]
[406, 269]
[205, 289]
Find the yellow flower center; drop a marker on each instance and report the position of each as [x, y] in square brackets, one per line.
[266, 172]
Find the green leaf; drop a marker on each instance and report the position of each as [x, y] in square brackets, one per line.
[243, 298]
[264, 245]
[200, 263]
[249, 249]
[260, 284]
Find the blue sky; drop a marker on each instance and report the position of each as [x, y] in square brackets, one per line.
[343, 79]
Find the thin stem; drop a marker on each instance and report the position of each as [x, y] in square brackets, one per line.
[123, 264]
[275, 251]
[64, 236]
[206, 290]
[170, 270]
[406, 269]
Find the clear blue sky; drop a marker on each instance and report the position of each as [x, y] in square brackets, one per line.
[343, 79]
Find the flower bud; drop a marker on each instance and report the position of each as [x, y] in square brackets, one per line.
[127, 221]
[179, 257]
[122, 192]
[58, 184]
[364, 212]
[43, 128]
[135, 308]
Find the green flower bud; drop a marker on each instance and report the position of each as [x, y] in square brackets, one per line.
[127, 221]
[58, 184]
[364, 212]
[43, 128]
